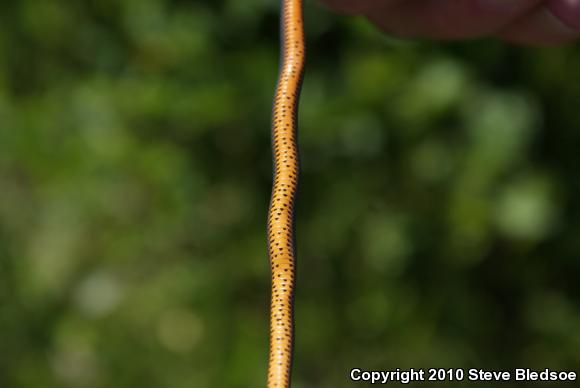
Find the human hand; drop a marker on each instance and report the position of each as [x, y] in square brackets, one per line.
[519, 21]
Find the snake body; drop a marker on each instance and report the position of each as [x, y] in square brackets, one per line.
[281, 239]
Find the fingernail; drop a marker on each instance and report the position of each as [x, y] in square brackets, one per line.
[503, 6]
[540, 28]
[351, 6]
[568, 11]
[553, 27]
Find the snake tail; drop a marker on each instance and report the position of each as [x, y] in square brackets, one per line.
[281, 238]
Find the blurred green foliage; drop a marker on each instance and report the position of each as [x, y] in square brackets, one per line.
[438, 218]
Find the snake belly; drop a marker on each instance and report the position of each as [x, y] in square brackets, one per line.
[281, 239]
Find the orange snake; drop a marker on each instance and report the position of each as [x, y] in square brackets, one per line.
[281, 249]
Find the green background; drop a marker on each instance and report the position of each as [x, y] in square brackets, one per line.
[438, 218]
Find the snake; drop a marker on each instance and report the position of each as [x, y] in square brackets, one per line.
[280, 225]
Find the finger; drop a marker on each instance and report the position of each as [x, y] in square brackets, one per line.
[449, 19]
[357, 6]
[541, 26]
[568, 11]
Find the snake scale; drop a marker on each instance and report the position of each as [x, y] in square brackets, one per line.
[281, 239]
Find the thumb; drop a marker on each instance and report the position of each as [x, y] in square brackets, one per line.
[357, 6]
